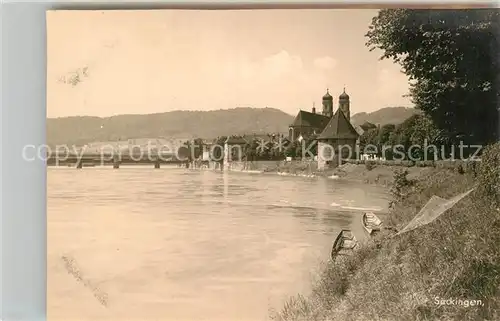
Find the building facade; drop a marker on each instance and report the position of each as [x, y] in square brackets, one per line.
[331, 130]
[307, 125]
[339, 138]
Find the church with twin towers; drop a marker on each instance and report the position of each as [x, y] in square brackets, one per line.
[329, 127]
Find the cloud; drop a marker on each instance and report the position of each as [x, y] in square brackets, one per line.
[281, 64]
[281, 80]
[326, 62]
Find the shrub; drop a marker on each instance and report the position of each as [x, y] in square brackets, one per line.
[400, 186]
[489, 173]
[369, 165]
[429, 163]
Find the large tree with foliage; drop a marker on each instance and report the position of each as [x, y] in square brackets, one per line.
[451, 58]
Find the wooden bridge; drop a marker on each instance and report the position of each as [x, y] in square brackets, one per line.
[91, 160]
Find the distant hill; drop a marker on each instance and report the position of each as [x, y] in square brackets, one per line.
[388, 115]
[80, 130]
[175, 124]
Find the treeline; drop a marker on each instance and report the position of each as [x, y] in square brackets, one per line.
[417, 138]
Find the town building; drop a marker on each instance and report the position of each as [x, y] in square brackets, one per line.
[234, 149]
[339, 138]
[307, 125]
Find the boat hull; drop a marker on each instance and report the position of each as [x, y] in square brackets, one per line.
[344, 244]
[371, 223]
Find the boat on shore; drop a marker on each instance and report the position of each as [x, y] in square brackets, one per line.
[344, 243]
[371, 223]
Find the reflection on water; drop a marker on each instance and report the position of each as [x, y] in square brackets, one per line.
[174, 244]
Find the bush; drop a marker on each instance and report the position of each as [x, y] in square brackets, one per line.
[430, 163]
[489, 173]
[400, 186]
[369, 165]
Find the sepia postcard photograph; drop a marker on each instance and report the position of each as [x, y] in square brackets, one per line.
[290, 165]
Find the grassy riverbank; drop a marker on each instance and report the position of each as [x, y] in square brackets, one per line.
[455, 257]
[376, 174]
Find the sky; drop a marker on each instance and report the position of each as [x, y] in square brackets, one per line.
[142, 62]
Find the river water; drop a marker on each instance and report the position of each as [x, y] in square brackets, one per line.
[173, 244]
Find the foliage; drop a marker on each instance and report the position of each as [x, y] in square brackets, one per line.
[451, 58]
[416, 130]
[291, 149]
[399, 188]
[489, 173]
[257, 148]
[311, 145]
[191, 149]
[294, 149]
[385, 132]
[369, 137]
[217, 151]
[369, 165]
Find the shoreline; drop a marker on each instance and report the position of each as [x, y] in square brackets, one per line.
[382, 175]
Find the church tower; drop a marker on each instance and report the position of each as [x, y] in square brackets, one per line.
[344, 105]
[328, 104]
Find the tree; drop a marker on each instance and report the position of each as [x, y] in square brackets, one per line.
[293, 149]
[217, 152]
[264, 150]
[451, 59]
[369, 137]
[384, 133]
[196, 148]
[312, 146]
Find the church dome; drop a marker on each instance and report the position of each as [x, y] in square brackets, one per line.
[327, 96]
[343, 95]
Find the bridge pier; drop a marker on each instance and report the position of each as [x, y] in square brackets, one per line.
[116, 162]
[79, 163]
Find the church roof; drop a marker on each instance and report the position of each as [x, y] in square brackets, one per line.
[308, 119]
[339, 127]
[344, 95]
[327, 96]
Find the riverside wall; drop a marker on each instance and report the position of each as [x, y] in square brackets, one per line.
[269, 166]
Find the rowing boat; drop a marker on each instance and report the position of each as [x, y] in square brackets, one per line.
[371, 223]
[344, 243]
